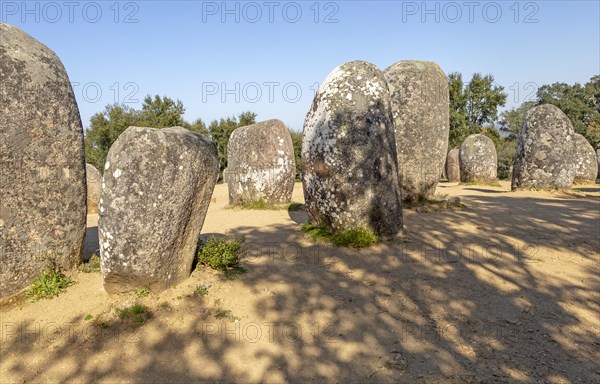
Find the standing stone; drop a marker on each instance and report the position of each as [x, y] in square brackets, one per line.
[586, 162]
[419, 94]
[349, 163]
[42, 166]
[598, 158]
[545, 155]
[156, 190]
[453, 166]
[261, 164]
[94, 180]
[478, 159]
[226, 175]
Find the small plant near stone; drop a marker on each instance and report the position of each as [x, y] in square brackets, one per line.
[261, 204]
[318, 234]
[49, 284]
[354, 237]
[225, 314]
[201, 290]
[89, 317]
[144, 292]
[293, 207]
[221, 254]
[137, 314]
[92, 265]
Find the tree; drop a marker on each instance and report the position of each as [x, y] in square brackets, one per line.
[580, 103]
[104, 129]
[106, 126]
[512, 120]
[197, 126]
[161, 112]
[472, 106]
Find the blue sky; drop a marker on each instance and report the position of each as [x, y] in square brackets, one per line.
[268, 57]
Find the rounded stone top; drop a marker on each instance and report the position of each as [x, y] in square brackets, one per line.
[415, 66]
[166, 131]
[272, 124]
[544, 112]
[476, 140]
[28, 57]
[355, 78]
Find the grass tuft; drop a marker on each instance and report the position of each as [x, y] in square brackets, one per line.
[353, 237]
[137, 313]
[49, 284]
[221, 253]
[92, 265]
[293, 207]
[201, 290]
[261, 204]
[225, 314]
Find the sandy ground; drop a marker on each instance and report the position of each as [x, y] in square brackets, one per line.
[507, 289]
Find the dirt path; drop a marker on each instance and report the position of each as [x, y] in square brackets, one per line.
[507, 289]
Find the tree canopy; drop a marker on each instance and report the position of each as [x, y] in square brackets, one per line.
[473, 106]
[156, 112]
[220, 131]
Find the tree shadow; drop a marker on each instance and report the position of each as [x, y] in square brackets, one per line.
[485, 190]
[463, 296]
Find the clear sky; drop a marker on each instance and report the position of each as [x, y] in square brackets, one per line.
[268, 57]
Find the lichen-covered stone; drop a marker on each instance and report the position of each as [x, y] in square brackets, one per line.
[478, 159]
[349, 163]
[545, 154]
[586, 162]
[598, 158]
[453, 166]
[94, 180]
[261, 164]
[156, 189]
[42, 166]
[419, 95]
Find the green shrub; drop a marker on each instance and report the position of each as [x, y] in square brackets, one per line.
[221, 254]
[92, 265]
[356, 238]
[293, 207]
[49, 284]
[506, 155]
[317, 233]
[137, 313]
[261, 204]
[144, 292]
[226, 314]
[202, 290]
